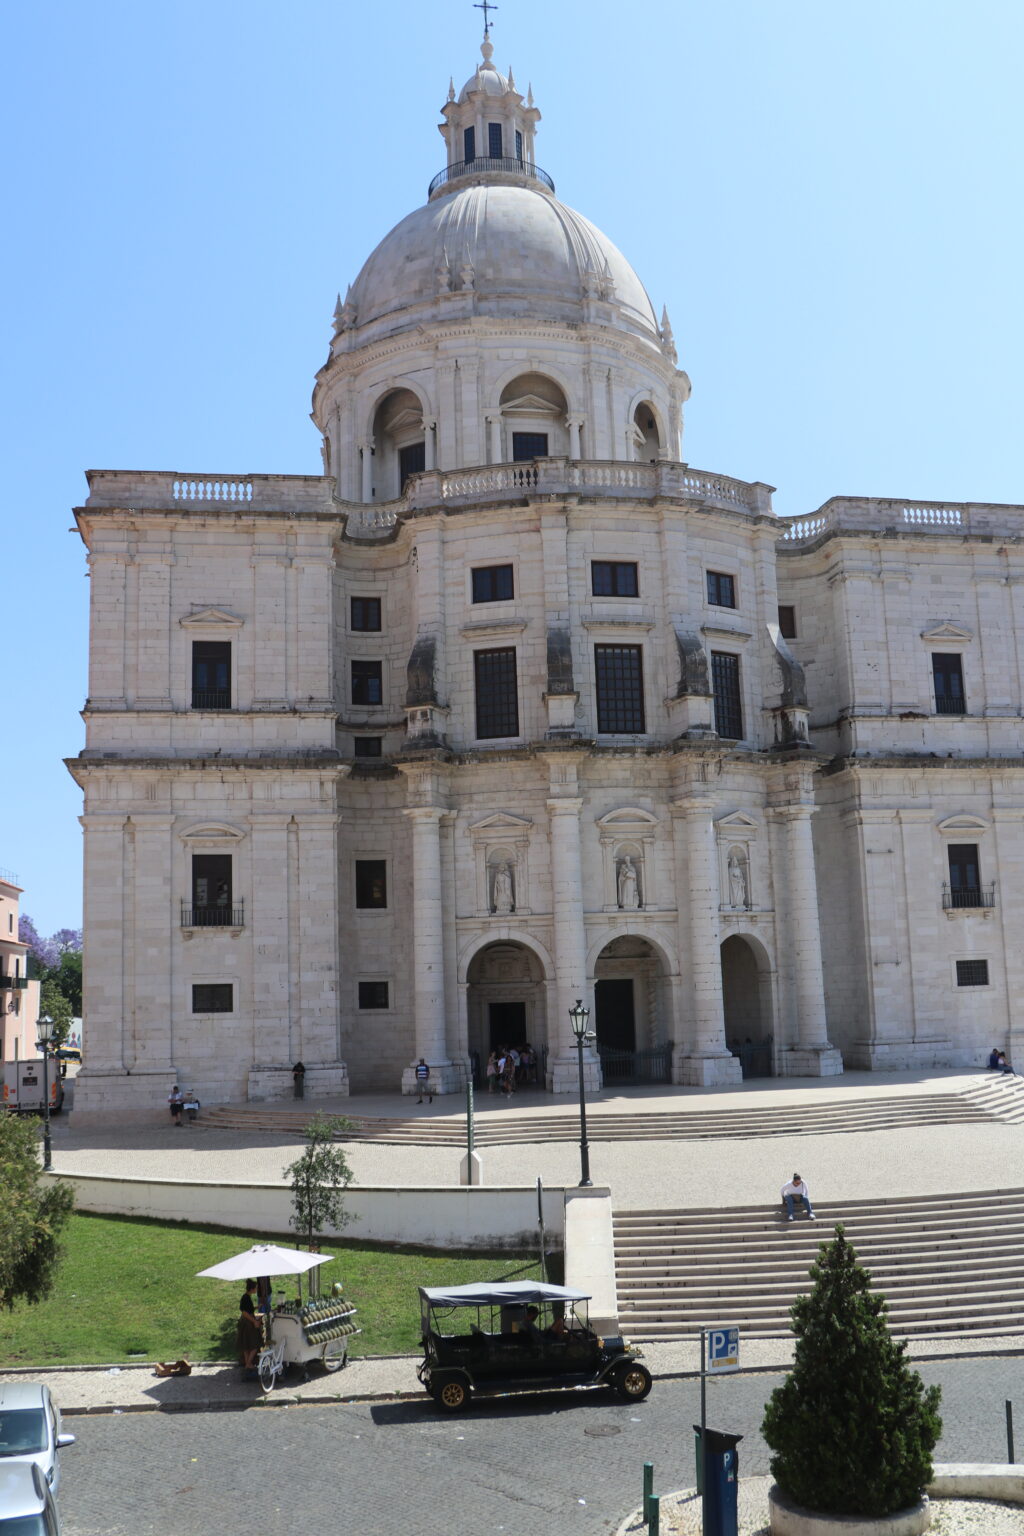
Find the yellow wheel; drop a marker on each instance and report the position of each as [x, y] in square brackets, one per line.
[451, 1394]
[633, 1382]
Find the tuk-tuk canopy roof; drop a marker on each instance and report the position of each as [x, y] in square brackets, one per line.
[512, 1293]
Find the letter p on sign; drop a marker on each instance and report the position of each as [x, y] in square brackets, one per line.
[723, 1349]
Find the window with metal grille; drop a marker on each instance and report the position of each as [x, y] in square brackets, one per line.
[367, 682]
[371, 883]
[948, 675]
[411, 460]
[211, 890]
[619, 672]
[972, 973]
[493, 584]
[613, 578]
[469, 143]
[529, 445]
[721, 590]
[964, 875]
[369, 746]
[497, 693]
[519, 145]
[213, 997]
[365, 613]
[725, 681]
[211, 674]
[787, 621]
[494, 140]
[373, 994]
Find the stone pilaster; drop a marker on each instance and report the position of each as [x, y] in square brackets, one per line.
[703, 1058]
[570, 981]
[811, 1054]
[430, 1000]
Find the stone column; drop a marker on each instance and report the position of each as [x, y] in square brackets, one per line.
[494, 433]
[430, 445]
[574, 424]
[428, 952]
[366, 449]
[813, 1056]
[570, 950]
[704, 1059]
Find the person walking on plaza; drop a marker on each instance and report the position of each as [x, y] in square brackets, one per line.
[422, 1079]
[175, 1100]
[795, 1190]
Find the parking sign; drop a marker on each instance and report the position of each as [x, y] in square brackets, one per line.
[723, 1349]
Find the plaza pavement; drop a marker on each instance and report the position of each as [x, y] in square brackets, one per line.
[643, 1175]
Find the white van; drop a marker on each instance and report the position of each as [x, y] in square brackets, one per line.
[23, 1086]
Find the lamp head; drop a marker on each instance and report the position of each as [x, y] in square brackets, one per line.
[580, 1018]
[44, 1029]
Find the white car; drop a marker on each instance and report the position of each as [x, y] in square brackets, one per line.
[26, 1503]
[30, 1429]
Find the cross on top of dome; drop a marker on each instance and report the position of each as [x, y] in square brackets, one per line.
[486, 7]
[489, 128]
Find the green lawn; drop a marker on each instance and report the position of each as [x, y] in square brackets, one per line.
[129, 1288]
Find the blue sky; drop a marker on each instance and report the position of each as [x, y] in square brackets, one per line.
[827, 197]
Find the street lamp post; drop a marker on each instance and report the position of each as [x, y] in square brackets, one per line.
[580, 1017]
[44, 1034]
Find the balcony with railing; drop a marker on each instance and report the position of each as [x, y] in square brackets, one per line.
[12, 983]
[491, 167]
[212, 917]
[956, 898]
[211, 698]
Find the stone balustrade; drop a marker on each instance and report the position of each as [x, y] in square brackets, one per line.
[175, 492]
[868, 514]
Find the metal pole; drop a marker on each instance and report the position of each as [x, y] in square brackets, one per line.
[586, 1182]
[648, 1489]
[1009, 1432]
[543, 1235]
[654, 1523]
[703, 1483]
[469, 1126]
[47, 1157]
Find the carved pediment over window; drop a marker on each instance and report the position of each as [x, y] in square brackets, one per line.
[529, 405]
[501, 822]
[405, 421]
[629, 818]
[737, 827]
[211, 618]
[211, 832]
[947, 630]
[964, 823]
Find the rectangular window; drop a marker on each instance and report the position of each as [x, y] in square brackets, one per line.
[371, 883]
[367, 682]
[211, 891]
[211, 674]
[494, 140]
[213, 997]
[529, 445]
[972, 973]
[373, 994]
[469, 144]
[619, 671]
[519, 145]
[493, 584]
[948, 674]
[787, 621]
[725, 681]
[613, 578]
[721, 590]
[497, 693]
[369, 746]
[964, 875]
[365, 612]
[411, 460]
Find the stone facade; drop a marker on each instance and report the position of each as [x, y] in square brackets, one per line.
[399, 761]
[19, 997]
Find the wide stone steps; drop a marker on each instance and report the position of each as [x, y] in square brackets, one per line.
[506, 1127]
[944, 1264]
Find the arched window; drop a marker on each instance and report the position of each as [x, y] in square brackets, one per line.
[647, 445]
[533, 419]
[399, 443]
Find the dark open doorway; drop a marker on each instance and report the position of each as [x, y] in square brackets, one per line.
[616, 1019]
[507, 1024]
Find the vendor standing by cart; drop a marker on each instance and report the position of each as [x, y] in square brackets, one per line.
[250, 1333]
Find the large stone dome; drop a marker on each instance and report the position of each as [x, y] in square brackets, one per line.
[516, 250]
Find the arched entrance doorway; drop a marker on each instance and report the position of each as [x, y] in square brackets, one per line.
[507, 1002]
[630, 1007]
[747, 1002]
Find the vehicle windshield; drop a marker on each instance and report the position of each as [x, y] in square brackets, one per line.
[22, 1433]
[24, 1525]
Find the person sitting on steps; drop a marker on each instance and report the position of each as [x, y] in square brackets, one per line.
[795, 1190]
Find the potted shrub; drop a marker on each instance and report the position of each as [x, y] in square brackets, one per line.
[852, 1427]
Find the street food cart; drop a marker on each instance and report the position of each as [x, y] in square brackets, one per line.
[296, 1333]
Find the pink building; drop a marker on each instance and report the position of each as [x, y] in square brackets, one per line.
[19, 997]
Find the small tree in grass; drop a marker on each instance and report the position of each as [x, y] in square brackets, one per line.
[33, 1212]
[319, 1180]
[852, 1426]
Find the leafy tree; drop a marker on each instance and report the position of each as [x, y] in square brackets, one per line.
[33, 1212]
[852, 1426]
[69, 979]
[319, 1178]
[67, 941]
[53, 1002]
[42, 952]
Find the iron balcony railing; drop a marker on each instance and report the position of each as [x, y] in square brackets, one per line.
[506, 164]
[967, 896]
[13, 983]
[213, 917]
[653, 1065]
[211, 698]
[947, 705]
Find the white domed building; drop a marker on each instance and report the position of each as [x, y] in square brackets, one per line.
[507, 708]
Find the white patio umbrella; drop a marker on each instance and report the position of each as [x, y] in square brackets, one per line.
[265, 1259]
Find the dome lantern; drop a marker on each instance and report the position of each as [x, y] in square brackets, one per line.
[489, 132]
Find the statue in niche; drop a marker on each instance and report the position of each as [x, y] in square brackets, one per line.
[629, 885]
[503, 899]
[739, 895]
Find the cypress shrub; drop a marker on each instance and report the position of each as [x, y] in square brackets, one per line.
[852, 1427]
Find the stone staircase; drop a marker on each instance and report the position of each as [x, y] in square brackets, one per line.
[505, 1127]
[945, 1263]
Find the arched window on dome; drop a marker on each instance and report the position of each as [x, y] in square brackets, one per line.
[533, 420]
[399, 441]
[647, 444]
